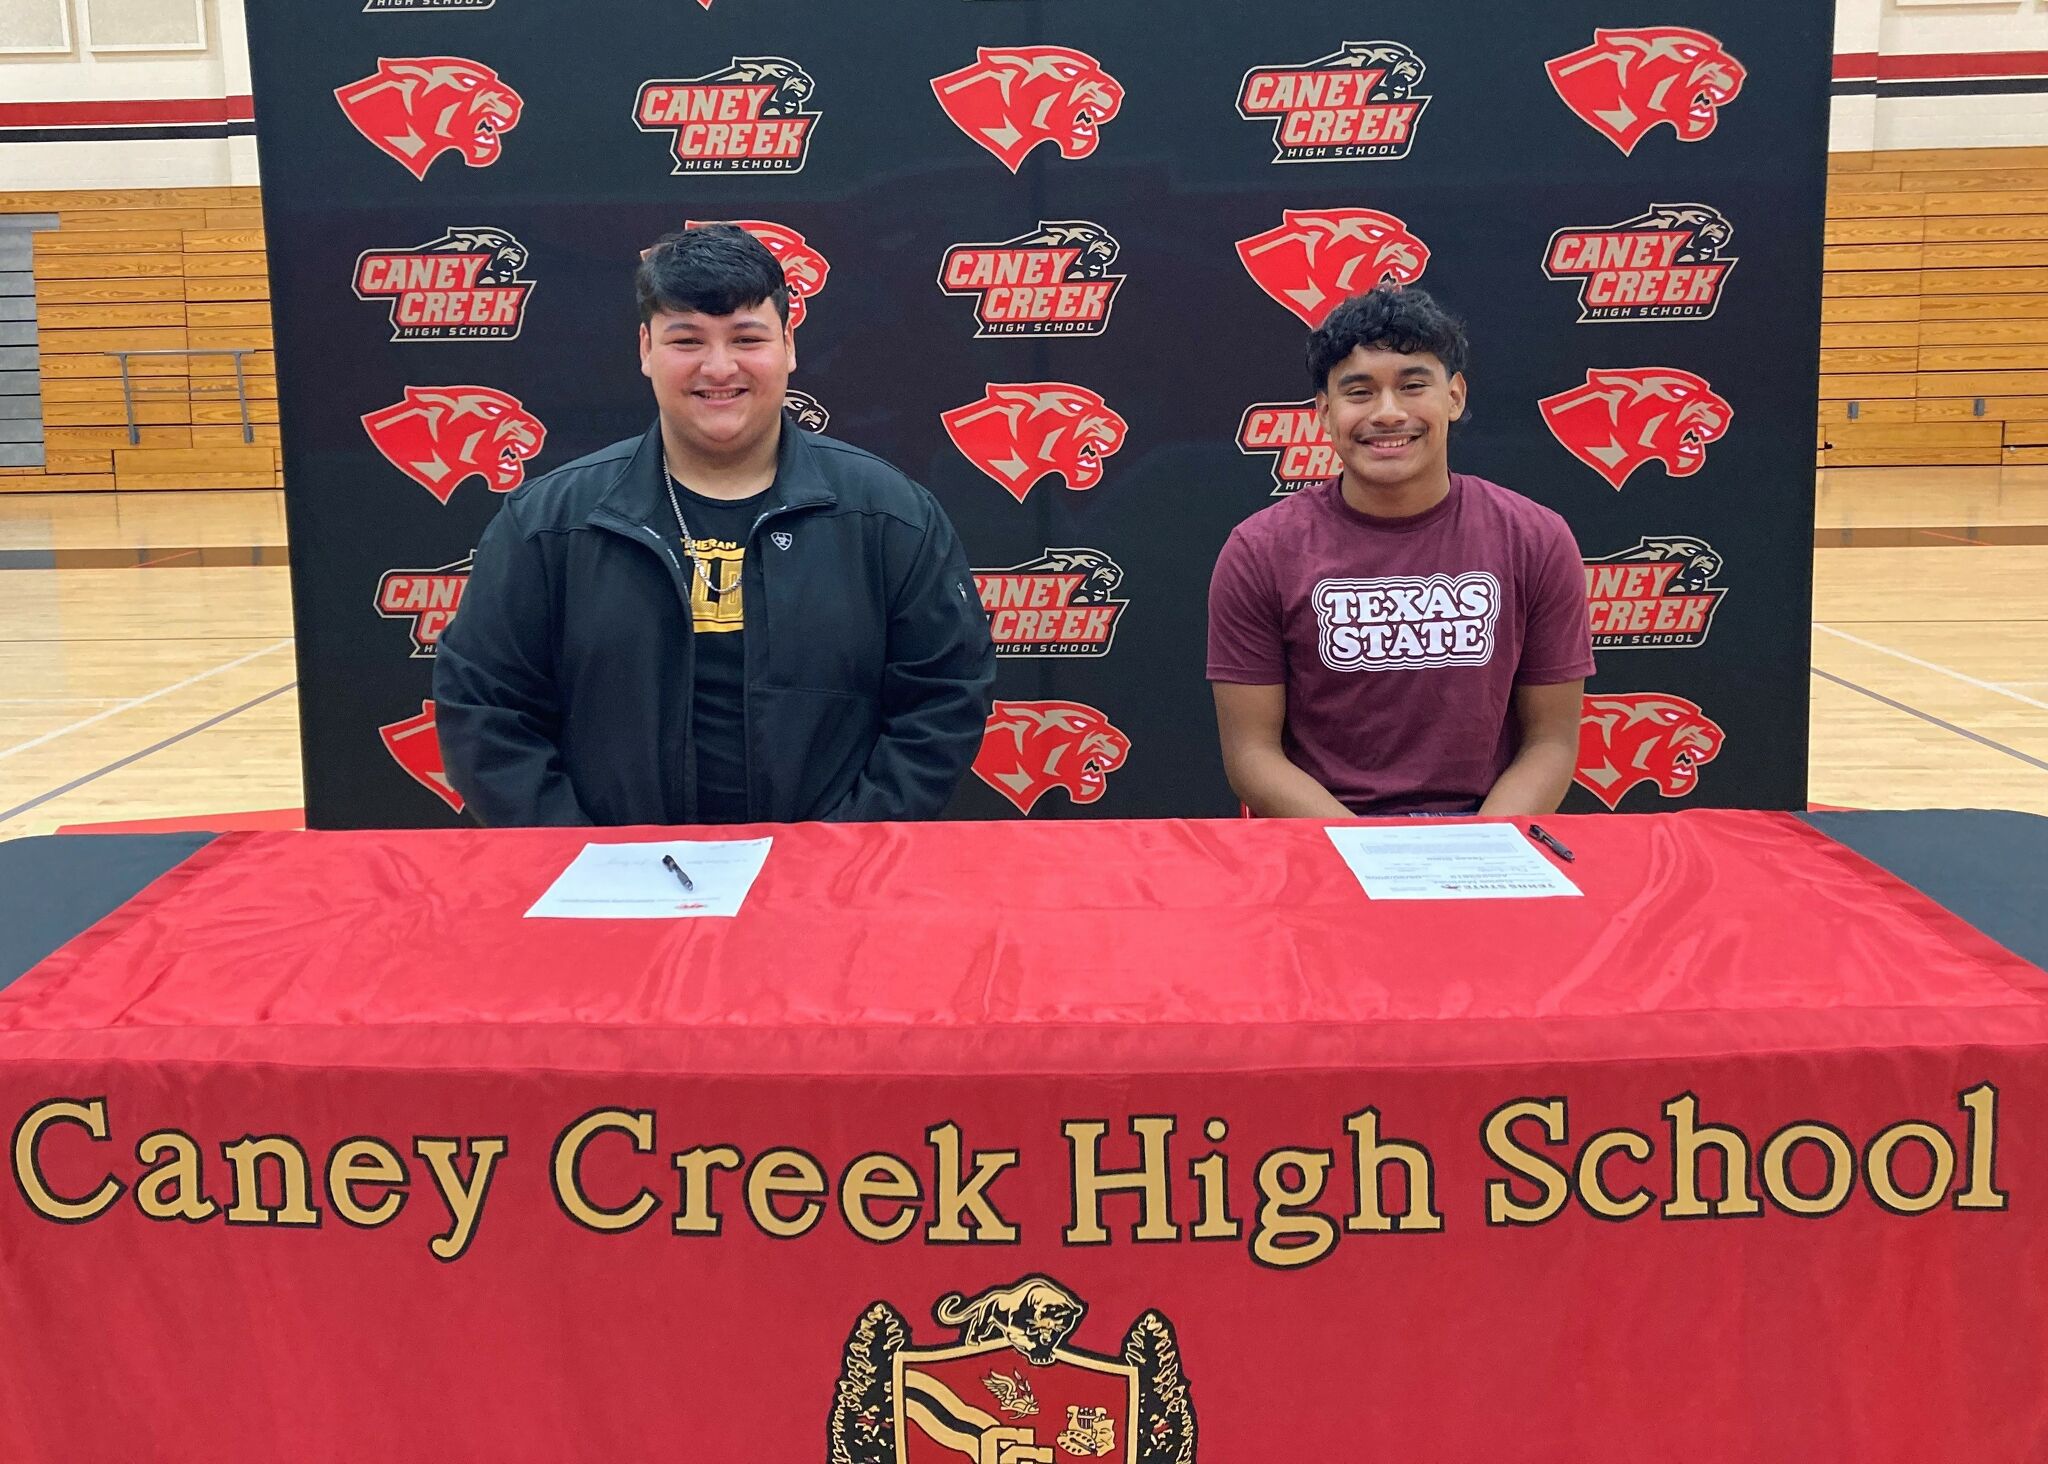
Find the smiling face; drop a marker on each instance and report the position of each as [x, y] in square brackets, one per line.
[719, 380]
[1389, 417]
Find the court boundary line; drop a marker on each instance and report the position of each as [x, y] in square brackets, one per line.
[1935, 666]
[128, 706]
[1977, 737]
[135, 757]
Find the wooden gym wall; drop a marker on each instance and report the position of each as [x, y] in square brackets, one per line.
[142, 270]
[1935, 333]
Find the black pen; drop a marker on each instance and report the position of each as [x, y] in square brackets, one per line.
[677, 870]
[1537, 832]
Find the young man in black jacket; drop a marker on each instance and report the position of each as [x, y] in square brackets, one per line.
[726, 620]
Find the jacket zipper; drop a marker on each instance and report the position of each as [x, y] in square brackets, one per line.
[747, 681]
[646, 533]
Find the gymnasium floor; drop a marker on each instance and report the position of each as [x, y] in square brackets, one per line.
[146, 664]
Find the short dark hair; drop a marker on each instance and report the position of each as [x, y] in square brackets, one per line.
[713, 268]
[1386, 319]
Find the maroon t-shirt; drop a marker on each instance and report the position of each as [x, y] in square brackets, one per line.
[1401, 641]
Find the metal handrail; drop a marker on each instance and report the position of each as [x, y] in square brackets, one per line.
[130, 391]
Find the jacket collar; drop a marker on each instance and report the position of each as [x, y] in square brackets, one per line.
[639, 495]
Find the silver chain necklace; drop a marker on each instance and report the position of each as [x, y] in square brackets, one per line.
[689, 539]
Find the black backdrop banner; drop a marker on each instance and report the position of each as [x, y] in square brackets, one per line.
[1057, 261]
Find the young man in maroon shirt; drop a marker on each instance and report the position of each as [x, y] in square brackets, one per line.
[1400, 639]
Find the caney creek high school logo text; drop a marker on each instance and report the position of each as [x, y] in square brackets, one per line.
[468, 285]
[1360, 103]
[1012, 1386]
[1667, 263]
[1052, 281]
[426, 598]
[752, 116]
[1063, 603]
[1660, 594]
[1292, 436]
[416, 108]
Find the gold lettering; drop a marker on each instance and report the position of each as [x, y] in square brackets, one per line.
[1502, 1208]
[1777, 1169]
[90, 1115]
[1593, 1186]
[1884, 1186]
[1213, 1220]
[785, 1172]
[637, 1124]
[180, 1172]
[1091, 1182]
[1688, 1138]
[1372, 1156]
[1287, 1238]
[1982, 1193]
[465, 1202]
[295, 1180]
[952, 1200]
[697, 1217]
[881, 1177]
[365, 1162]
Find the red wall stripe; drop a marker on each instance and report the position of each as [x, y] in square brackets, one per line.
[127, 113]
[1965, 66]
[1947, 66]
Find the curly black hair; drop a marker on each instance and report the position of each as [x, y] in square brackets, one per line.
[1388, 319]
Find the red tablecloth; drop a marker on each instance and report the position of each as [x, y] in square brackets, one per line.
[821, 1182]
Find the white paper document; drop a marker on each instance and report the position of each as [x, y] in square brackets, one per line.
[1440, 860]
[629, 881]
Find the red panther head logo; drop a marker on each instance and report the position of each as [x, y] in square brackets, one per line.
[1620, 420]
[1319, 256]
[416, 747]
[1030, 748]
[416, 109]
[1635, 737]
[1630, 81]
[803, 268]
[1015, 97]
[1020, 431]
[441, 435]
